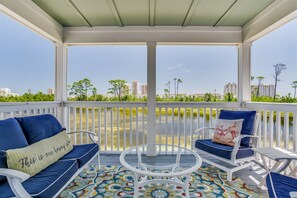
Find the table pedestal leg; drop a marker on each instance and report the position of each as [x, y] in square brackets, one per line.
[263, 180]
[187, 184]
[135, 185]
[276, 167]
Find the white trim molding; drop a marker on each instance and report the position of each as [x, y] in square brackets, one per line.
[28, 13]
[134, 34]
[272, 17]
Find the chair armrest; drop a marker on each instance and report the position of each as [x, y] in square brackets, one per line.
[237, 141]
[21, 176]
[197, 131]
[293, 194]
[15, 179]
[240, 137]
[91, 134]
[203, 128]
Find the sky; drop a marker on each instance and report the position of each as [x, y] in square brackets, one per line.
[27, 62]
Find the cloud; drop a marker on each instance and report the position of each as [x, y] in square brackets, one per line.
[175, 66]
[186, 70]
[181, 67]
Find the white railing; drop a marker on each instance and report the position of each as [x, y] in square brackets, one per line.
[18, 109]
[177, 121]
[119, 125]
[278, 126]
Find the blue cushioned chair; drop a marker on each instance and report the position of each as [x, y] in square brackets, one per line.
[229, 158]
[24, 131]
[281, 186]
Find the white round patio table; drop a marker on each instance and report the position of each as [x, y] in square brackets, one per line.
[160, 164]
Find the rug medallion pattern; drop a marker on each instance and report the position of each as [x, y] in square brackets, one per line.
[116, 181]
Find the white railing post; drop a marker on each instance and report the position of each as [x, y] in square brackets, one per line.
[244, 72]
[61, 81]
[151, 97]
[295, 131]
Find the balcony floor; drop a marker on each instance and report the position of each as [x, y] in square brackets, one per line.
[251, 178]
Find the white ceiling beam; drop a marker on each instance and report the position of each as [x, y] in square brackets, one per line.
[152, 10]
[272, 17]
[32, 16]
[165, 34]
[190, 12]
[226, 14]
[78, 13]
[115, 12]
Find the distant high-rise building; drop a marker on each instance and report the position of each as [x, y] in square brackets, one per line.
[144, 89]
[51, 91]
[264, 90]
[135, 87]
[231, 88]
[7, 92]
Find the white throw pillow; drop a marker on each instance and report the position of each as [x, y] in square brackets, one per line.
[226, 131]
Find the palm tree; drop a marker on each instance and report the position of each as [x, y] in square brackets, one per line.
[178, 82]
[168, 87]
[294, 86]
[166, 91]
[174, 79]
[259, 78]
[278, 68]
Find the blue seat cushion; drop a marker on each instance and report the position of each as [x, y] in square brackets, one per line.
[222, 150]
[39, 127]
[11, 137]
[247, 125]
[46, 183]
[82, 153]
[283, 185]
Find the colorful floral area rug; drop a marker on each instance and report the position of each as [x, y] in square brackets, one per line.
[116, 181]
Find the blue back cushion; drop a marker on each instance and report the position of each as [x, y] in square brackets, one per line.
[11, 137]
[39, 127]
[247, 125]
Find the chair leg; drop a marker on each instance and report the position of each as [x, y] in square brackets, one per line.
[229, 176]
[98, 160]
[252, 166]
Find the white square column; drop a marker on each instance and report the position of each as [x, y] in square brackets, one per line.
[244, 72]
[151, 97]
[61, 81]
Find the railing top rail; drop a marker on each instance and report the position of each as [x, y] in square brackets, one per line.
[284, 107]
[199, 104]
[20, 106]
[103, 104]
[29, 103]
[159, 104]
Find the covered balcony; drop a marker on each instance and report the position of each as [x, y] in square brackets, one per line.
[122, 125]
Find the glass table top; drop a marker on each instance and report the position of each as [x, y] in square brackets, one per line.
[160, 160]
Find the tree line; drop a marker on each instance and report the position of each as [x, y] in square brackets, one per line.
[80, 91]
[28, 97]
[278, 68]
